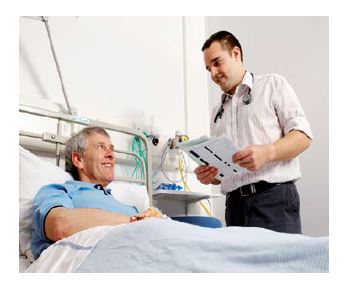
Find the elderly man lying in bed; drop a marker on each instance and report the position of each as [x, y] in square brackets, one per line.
[61, 210]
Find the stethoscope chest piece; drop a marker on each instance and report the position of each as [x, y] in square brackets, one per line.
[247, 98]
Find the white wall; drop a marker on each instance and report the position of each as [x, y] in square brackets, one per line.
[298, 48]
[125, 70]
[144, 72]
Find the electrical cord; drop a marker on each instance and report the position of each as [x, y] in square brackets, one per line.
[137, 148]
[163, 158]
[180, 168]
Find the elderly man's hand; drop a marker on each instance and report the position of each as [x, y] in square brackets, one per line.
[150, 213]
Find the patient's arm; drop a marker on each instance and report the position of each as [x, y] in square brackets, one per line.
[63, 222]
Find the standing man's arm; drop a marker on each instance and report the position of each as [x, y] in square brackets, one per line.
[296, 129]
[256, 156]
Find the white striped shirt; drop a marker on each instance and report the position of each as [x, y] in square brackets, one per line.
[273, 112]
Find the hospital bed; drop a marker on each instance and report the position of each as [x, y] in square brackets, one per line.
[151, 245]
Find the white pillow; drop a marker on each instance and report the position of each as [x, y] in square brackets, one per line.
[35, 172]
[132, 194]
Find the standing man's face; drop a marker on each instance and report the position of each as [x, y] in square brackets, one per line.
[96, 165]
[225, 66]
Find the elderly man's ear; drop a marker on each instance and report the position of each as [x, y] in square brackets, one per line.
[77, 160]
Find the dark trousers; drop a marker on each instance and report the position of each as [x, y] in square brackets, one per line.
[277, 208]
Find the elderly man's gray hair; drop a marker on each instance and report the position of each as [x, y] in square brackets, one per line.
[77, 143]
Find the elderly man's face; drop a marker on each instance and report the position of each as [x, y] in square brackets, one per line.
[97, 162]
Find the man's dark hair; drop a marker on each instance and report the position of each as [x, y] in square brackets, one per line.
[226, 39]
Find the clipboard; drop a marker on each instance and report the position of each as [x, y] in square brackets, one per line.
[216, 152]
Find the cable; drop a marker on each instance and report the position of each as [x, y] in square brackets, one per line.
[180, 168]
[209, 203]
[183, 174]
[163, 158]
[137, 148]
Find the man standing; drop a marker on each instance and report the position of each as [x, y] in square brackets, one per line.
[264, 119]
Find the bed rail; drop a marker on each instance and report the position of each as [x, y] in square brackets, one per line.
[59, 140]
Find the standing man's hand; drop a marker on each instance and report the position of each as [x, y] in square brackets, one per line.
[254, 157]
[206, 174]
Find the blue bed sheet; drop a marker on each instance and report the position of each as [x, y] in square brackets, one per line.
[155, 245]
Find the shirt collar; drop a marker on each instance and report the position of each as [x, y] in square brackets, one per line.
[247, 81]
[83, 183]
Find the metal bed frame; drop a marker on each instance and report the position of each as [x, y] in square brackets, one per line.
[59, 140]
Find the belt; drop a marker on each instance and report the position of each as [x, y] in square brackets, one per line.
[254, 188]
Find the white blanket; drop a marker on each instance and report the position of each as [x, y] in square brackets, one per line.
[156, 245]
[68, 254]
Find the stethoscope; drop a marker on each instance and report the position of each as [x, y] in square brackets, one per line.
[247, 98]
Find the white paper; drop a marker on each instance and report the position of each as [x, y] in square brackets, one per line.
[216, 152]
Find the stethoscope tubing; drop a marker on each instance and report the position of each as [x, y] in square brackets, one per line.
[247, 98]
